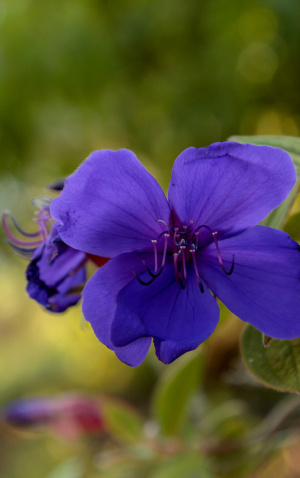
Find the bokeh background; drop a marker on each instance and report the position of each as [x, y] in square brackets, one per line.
[155, 77]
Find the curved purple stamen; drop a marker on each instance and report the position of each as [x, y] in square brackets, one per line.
[214, 234]
[155, 274]
[13, 238]
[142, 282]
[44, 221]
[21, 231]
[24, 252]
[157, 271]
[193, 254]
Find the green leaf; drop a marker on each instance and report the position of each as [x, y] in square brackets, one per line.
[277, 365]
[278, 216]
[292, 226]
[122, 421]
[173, 391]
[72, 468]
[291, 144]
[187, 466]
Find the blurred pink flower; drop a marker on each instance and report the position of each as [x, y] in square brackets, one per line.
[69, 416]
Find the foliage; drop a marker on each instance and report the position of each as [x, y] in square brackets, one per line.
[276, 364]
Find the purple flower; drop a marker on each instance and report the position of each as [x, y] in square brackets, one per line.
[70, 415]
[172, 258]
[56, 272]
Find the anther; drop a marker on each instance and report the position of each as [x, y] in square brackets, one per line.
[141, 281]
[154, 275]
[228, 273]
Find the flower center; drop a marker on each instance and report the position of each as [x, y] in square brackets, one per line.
[183, 243]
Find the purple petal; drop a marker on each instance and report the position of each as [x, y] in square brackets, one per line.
[110, 205]
[230, 186]
[179, 320]
[99, 303]
[168, 350]
[56, 298]
[55, 273]
[264, 287]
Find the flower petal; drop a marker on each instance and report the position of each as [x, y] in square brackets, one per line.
[179, 320]
[110, 205]
[230, 186]
[99, 303]
[54, 290]
[264, 287]
[52, 273]
[169, 350]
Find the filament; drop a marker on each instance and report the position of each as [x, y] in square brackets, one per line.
[214, 234]
[13, 238]
[193, 254]
[228, 273]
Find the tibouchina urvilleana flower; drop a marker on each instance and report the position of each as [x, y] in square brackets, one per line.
[56, 272]
[172, 258]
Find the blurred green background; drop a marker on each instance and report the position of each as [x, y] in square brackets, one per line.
[155, 77]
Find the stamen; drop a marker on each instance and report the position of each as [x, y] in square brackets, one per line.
[183, 248]
[21, 231]
[13, 238]
[206, 227]
[175, 234]
[175, 259]
[197, 239]
[214, 234]
[150, 272]
[154, 242]
[22, 251]
[192, 251]
[160, 220]
[142, 282]
[187, 230]
[177, 275]
[162, 234]
[165, 250]
[183, 237]
[41, 201]
[228, 273]
[156, 271]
